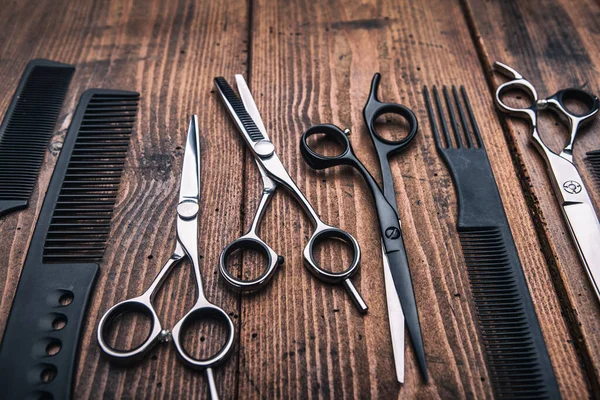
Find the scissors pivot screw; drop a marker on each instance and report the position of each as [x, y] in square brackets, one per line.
[188, 209]
[164, 336]
[392, 233]
[264, 148]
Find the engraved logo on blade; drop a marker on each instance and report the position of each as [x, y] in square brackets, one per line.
[572, 187]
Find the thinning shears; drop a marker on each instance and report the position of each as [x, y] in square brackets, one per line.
[186, 247]
[400, 295]
[247, 118]
[569, 189]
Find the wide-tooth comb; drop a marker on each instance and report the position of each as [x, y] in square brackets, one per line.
[517, 358]
[27, 127]
[57, 279]
[593, 160]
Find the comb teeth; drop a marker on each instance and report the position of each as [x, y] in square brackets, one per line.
[464, 135]
[239, 109]
[27, 128]
[593, 160]
[512, 356]
[80, 222]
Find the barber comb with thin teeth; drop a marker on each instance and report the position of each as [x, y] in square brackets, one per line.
[593, 160]
[517, 357]
[59, 272]
[27, 127]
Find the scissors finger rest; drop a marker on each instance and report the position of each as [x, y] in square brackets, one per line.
[137, 305]
[322, 232]
[141, 305]
[252, 242]
[250, 125]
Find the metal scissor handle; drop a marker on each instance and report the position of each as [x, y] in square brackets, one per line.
[384, 147]
[517, 83]
[324, 232]
[557, 104]
[143, 305]
[252, 241]
[375, 108]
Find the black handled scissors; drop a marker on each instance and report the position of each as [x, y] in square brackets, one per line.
[396, 271]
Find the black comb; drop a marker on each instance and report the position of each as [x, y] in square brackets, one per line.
[239, 111]
[517, 358]
[593, 160]
[27, 127]
[56, 282]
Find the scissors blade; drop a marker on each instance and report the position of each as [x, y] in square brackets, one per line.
[250, 105]
[245, 123]
[398, 263]
[395, 317]
[585, 229]
[190, 173]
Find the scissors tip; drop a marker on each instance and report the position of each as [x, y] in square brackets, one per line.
[240, 81]
[425, 374]
[193, 127]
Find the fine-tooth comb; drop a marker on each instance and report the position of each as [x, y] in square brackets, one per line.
[593, 159]
[39, 348]
[517, 358]
[27, 127]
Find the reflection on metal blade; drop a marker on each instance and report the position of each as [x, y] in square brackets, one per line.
[396, 318]
[585, 230]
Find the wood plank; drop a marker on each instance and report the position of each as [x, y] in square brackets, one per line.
[312, 63]
[170, 52]
[565, 37]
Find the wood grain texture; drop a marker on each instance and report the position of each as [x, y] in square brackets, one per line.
[310, 62]
[170, 52]
[313, 64]
[566, 39]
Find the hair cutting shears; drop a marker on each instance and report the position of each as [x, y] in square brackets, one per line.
[569, 189]
[273, 173]
[400, 295]
[186, 247]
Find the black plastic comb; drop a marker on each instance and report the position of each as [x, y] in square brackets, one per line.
[50, 303]
[239, 109]
[27, 127]
[593, 160]
[518, 361]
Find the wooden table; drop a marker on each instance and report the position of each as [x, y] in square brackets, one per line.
[311, 62]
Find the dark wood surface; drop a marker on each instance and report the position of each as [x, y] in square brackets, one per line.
[311, 62]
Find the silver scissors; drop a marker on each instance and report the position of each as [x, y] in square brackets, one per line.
[186, 247]
[569, 189]
[273, 173]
